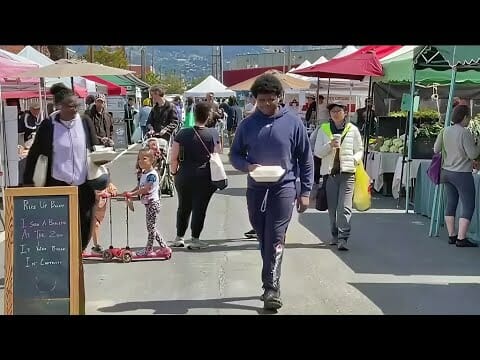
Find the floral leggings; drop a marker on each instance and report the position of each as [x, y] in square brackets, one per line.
[152, 211]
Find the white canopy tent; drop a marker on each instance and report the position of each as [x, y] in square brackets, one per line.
[305, 64]
[36, 56]
[320, 60]
[210, 84]
[350, 49]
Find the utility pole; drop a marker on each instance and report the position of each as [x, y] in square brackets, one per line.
[143, 63]
[90, 55]
[153, 67]
[289, 58]
[221, 64]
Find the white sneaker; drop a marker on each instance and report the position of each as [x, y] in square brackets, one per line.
[178, 242]
[196, 244]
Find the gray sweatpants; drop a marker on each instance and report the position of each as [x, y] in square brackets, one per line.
[339, 199]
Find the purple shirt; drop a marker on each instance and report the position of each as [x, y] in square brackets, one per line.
[69, 152]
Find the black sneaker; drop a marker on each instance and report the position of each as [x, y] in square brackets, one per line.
[271, 300]
[465, 243]
[252, 234]
[97, 249]
[452, 239]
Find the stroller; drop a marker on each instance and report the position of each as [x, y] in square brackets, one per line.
[167, 184]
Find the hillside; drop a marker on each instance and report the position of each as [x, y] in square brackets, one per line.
[190, 61]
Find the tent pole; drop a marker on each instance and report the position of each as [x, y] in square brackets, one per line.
[438, 197]
[410, 141]
[366, 133]
[328, 91]
[316, 101]
[4, 160]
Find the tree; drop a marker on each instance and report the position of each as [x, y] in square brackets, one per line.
[115, 58]
[57, 52]
[172, 84]
[152, 78]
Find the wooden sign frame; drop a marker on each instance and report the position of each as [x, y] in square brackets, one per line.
[76, 295]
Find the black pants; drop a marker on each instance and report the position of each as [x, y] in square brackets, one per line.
[86, 202]
[129, 123]
[194, 194]
[317, 164]
[270, 213]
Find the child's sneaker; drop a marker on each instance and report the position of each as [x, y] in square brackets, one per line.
[97, 249]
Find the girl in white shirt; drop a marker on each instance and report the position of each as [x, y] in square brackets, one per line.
[148, 189]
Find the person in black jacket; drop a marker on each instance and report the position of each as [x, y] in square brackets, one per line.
[163, 117]
[64, 138]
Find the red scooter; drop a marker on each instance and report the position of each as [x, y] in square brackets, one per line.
[126, 254]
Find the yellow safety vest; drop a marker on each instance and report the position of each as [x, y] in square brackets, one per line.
[326, 129]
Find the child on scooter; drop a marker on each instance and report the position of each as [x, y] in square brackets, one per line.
[147, 188]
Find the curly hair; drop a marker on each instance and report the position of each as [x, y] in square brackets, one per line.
[266, 84]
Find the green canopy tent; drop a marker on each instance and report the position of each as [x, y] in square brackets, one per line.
[129, 81]
[399, 70]
[456, 60]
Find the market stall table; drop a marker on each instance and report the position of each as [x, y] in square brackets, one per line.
[398, 173]
[378, 164]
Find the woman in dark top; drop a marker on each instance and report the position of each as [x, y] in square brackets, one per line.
[64, 138]
[190, 165]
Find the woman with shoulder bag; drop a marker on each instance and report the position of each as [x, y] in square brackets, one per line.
[64, 139]
[190, 163]
[459, 150]
[339, 144]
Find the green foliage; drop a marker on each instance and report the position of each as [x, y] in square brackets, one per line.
[474, 128]
[428, 130]
[114, 58]
[172, 84]
[422, 114]
[152, 78]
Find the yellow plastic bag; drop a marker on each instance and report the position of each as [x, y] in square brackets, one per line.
[362, 197]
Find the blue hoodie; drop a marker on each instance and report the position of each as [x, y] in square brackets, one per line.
[281, 140]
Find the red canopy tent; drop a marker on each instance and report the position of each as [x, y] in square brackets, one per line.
[112, 89]
[380, 50]
[354, 66]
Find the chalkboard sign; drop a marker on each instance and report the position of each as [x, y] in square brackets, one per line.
[42, 251]
[120, 140]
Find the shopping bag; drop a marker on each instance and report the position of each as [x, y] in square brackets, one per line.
[321, 201]
[362, 197]
[189, 120]
[435, 168]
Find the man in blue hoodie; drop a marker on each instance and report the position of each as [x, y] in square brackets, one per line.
[273, 136]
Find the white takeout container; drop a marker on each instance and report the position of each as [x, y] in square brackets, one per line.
[267, 173]
[102, 155]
